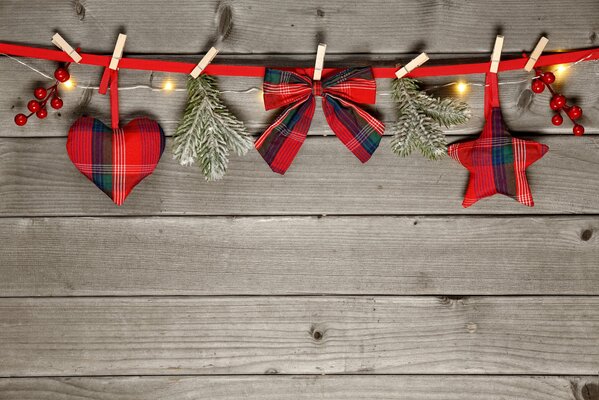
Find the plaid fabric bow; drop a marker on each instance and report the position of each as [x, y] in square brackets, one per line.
[358, 130]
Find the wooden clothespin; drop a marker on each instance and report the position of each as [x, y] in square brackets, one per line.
[322, 48]
[117, 54]
[536, 53]
[207, 59]
[496, 56]
[63, 45]
[411, 66]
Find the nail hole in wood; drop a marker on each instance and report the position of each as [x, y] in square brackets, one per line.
[586, 235]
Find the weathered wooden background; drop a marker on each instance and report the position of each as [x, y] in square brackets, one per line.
[337, 281]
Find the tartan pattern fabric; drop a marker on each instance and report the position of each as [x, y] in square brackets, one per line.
[115, 160]
[497, 161]
[359, 131]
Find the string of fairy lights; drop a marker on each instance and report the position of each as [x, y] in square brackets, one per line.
[461, 86]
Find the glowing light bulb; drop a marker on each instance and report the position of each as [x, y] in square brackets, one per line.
[168, 86]
[69, 84]
[462, 87]
[561, 70]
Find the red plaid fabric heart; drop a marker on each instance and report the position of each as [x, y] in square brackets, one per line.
[115, 160]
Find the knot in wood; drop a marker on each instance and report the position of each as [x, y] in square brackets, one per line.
[316, 333]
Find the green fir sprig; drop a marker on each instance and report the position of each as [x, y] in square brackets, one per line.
[420, 119]
[208, 132]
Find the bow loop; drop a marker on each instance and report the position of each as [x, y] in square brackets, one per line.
[341, 92]
[353, 84]
[282, 88]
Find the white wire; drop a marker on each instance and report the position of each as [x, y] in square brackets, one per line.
[155, 89]
[28, 66]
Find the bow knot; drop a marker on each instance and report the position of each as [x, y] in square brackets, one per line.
[341, 93]
[317, 88]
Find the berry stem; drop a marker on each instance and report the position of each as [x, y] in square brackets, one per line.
[553, 93]
[51, 90]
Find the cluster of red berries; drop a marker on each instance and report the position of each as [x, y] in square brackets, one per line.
[558, 102]
[42, 95]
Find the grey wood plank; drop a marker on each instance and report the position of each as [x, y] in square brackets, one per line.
[299, 335]
[243, 96]
[275, 26]
[407, 387]
[37, 178]
[299, 255]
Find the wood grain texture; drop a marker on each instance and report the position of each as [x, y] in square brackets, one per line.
[303, 388]
[299, 255]
[140, 94]
[288, 26]
[299, 335]
[233, 274]
[37, 178]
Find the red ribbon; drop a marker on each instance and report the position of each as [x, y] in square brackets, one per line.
[111, 77]
[256, 71]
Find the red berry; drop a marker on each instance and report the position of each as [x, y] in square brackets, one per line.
[578, 130]
[553, 105]
[61, 74]
[40, 93]
[56, 102]
[575, 112]
[20, 119]
[548, 77]
[42, 113]
[33, 105]
[557, 120]
[538, 86]
[559, 100]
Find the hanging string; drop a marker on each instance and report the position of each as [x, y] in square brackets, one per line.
[257, 71]
[562, 68]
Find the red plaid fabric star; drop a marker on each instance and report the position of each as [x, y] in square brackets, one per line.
[497, 161]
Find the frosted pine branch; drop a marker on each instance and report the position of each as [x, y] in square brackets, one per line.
[208, 132]
[447, 112]
[420, 118]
